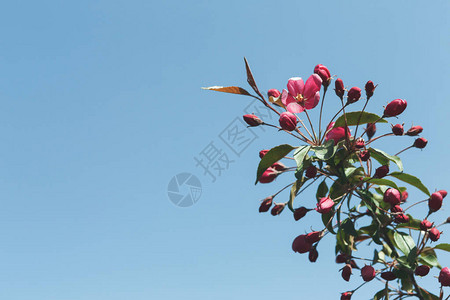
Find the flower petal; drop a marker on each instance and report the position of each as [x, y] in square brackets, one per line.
[311, 103]
[312, 86]
[295, 86]
[294, 108]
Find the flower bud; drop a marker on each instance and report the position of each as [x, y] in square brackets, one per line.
[381, 171]
[398, 129]
[371, 129]
[415, 130]
[444, 277]
[434, 234]
[420, 143]
[402, 218]
[364, 155]
[341, 258]
[370, 88]
[443, 193]
[300, 245]
[288, 121]
[368, 273]
[278, 166]
[396, 209]
[324, 74]
[346, 272]
[273, 93]
[314, 237]
[336, 134]
[339, 88]
[422, 270]
[353, 264]
[313, 254]
[262, 153]
[394, 108]
[388, 276]
[268, 176]
[252, 120]
[300, 213]
[404, 196]
[277, 209]
[325, 205]
[435, 201]
[392, 196]
[346, 296]
[425, 225]
[359, 143]
[266, 204]
[354, 94]
[311, 172]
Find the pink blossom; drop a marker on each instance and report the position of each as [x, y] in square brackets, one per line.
[337, 134]
[324, 206]
[300, 95]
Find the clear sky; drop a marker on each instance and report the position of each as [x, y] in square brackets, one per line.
[101, 106]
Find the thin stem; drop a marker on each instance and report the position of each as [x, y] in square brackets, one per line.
[415, 204]
[301, 121]
[283, 189]
[307, 186]
[416, 287]
[381, 118]
[325, 88]
[404, 150]
[360, 115]
[372, 140]
[347, 140]
[312, 127]
[279, 128]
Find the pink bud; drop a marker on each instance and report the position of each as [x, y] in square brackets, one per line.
[435, 201]
[415, 130]
[388, 276]
[273, 93]
[353, 264]
[354, 94]
[339, 88]
[396, 209]
[443, 193]
[381, 171]
[325, 205]
[313, 254]
[311, 172]
[341, 258]
[425, 225]
[368, 273]
[420, 143]
[262, 153]
[394, 108]
[422, 270]
[359, 143]
[346, 272]
[404, 195]
[392, 196]
[397, 129]
[364, 155]
[402, 218]
[277, 209]
[444, 277]
[337, 134]
[288, 121]
[371, 130]
[300, 244]
[434, 234]
[268, 176]
[314, 237]
[346, 296]
[300, 213]
[266, 204]
[278, 166]
[252, 120]
[324, 74]
[370, 88]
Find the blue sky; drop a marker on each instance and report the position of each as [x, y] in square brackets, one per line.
[101, 106]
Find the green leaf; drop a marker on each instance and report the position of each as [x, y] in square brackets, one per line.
[381, 181]
[412, 256]
[404, 242]
[412, 180]
[429, 258]
[299, 156]
[407, 284]
[384, 158]
[271, 157]
[348, 227]
[322, 190]
[443, 246]
[326, 151]
[429, 296]
[381, 294]
[294, 190]
[353, 117]
[228, 89]
[326, 221]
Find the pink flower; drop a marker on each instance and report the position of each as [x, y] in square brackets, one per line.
[274, 93]
[288, 121]
[435, 201]
[262, 153]
[337, 134]
[339, 88]
[434, 234]
[425, 225]
[324, 206]
[444, 277]
[268, 176]
[354, 94]
[370, 88]
[301, 96]
[443, 193]
[392, 196]
[394, 108]
[324, 74]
